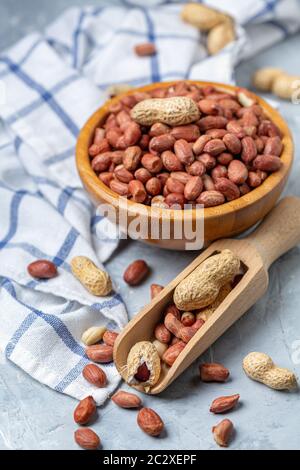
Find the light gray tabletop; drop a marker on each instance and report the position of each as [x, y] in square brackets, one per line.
[34, 417]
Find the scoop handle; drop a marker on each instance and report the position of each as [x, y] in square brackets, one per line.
[279, 231]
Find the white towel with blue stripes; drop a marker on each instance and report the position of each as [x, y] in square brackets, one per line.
[49, 85]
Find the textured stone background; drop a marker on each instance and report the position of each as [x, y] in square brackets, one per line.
[34, 417]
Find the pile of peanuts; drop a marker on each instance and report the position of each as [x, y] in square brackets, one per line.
[228, 151]
[194, 300]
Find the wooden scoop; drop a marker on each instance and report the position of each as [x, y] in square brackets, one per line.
[278, 233]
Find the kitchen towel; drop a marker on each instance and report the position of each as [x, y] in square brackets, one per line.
[49, 85]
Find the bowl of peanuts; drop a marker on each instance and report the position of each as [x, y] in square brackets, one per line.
[199, 151]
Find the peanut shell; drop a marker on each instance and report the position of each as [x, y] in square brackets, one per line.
[173, 111]
[96, 281]
[143, 352]
[202, 286]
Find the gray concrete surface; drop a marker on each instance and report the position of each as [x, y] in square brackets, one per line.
[35, 417]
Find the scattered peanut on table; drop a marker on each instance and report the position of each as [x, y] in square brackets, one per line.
[260, 367]
[276, 81]
[95, 280]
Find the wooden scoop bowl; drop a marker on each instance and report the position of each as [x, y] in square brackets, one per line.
[278, 233]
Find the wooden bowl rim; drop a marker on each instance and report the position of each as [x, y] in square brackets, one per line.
[95, 185]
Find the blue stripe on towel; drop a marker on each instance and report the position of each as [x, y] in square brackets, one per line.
[44, 94]
[58, 326]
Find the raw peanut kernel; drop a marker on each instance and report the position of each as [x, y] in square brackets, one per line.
[137, 191]
[161, 143]
[106, 177]
[196, 169]
[160, 347]
[224, 158]
[162, 334]
[126, 399]
[233, 143]
[142, 175]
[119, 188]
[244, 189]
[150, 422]
[153, 186]
[99, 135]
[188, 332]
[237, 172]
[94, 375]
[181, 176]
[155, 290]
[159, 129]
[211, 198]
[132, 134]
[144, 141]
[193, 188]
[174, 186]
[222, 404]
[142, 373]
[212, 122]
[171, 354]
[123, 175]
[184, 152]
[171, 162]
[213, 372]
[145, 49]
[222, 432]
[85, 411]
[228, 188]
[110, 337]
[87, 439]
[267, 163]
[253, 179]
[214, 147]
[175, 200]
[42, 269]
[188, 319]
[190, 133]
[220, 171]
[209, 107]
[136, 272]
[152, 163]
[159, 201]
[208, 161]
[132, 158]
[273, 146]
[198, 146]
[208, 183]
[216, 133]
[249, 150]
[101, 353]
[171, 308]
[93, 335]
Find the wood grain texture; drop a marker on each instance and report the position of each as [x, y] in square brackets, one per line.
[222, 221]
[256, 252]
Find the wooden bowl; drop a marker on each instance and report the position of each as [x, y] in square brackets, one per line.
[226, 220]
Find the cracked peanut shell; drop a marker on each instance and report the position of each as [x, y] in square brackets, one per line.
[143, 352]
